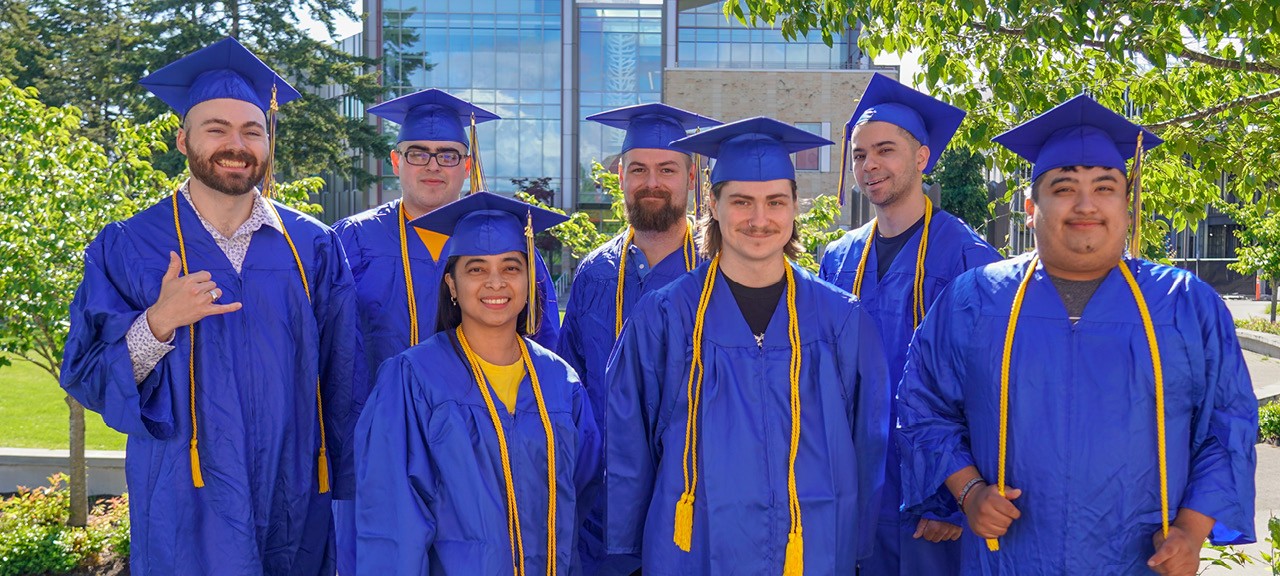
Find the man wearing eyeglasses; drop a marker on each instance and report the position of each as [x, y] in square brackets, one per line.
[396, 265]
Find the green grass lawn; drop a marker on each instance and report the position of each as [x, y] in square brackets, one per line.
[34, 415]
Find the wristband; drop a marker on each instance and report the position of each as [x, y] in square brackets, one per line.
[964, 492]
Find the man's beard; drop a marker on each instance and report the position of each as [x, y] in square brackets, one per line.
[205, 169]
[647, 219]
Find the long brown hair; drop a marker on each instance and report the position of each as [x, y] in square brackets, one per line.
[712, 239]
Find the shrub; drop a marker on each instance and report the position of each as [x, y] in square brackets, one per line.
[1258, 325]
[34, 537]
[1269, 422]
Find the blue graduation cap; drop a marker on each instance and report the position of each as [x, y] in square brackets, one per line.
[652, 125]
[931, 121]
[753, 150]
[432, 115]
[1078, 132]
[224, 69]
[484, 224]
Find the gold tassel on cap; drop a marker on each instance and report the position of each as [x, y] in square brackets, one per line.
[477, 174]
[268, 187]
[844, 164]
[1135, 188]
[531, 322]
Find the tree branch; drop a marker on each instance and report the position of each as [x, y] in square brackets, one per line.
[1187, 53]
[1212, 110]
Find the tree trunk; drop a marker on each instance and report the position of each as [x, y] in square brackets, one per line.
[1273, 300]
[233, 9]
[78, 472]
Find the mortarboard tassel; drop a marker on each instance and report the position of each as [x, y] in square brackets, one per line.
[268, 179]
[844, 163]
[531, 323]
[1135, 188]
[477, 174]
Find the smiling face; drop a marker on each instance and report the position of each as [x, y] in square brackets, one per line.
[655, 186]
[225, 142]
[491, 290]
[430, 186]
[756, 219]
[1080, 218]
[887, 162]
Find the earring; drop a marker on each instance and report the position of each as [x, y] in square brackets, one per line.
[453, 300]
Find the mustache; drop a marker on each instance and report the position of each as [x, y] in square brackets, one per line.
[652, 193]
[759, 229]
[238, 155]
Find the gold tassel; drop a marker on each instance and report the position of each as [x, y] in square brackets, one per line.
[1135, 188]
[196, 477]
[477, 175]
[844, 163]
[267, 181]
[683, 536]
[531, 322]
[324, 471]
[794, 565]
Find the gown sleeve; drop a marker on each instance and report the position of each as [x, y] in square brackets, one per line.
[634, 376]
[932, 434]
[394, 477]
[1223, 454]
[97, 369]
[344, 379]
[869, 375]
[586, 473]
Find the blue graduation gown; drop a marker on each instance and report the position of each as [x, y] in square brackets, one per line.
[586, 339]
[953, 248]
[372, 242]
[1082, 438]
[430, 495]
[260, 511]
[741, 518]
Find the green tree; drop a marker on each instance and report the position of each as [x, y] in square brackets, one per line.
[959, 173]
[58, 188]
[315, 135]
[1203, 75]
[1259, 234]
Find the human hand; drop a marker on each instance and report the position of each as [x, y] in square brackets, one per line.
[184, 300]
[989, 513]
[1176, 555]
[937, 530]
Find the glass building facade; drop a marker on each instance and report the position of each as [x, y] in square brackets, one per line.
[544, 65]
[501, 55]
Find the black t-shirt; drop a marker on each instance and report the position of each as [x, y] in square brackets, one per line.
[888, 248]
[757, 304]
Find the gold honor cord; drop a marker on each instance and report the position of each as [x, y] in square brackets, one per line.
[690, 260]
[1153, 346]
[322, 460]
[918, 305]
[683, 531]
[408, 277]
[513, 512]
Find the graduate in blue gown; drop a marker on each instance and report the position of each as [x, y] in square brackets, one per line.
[748, 400]
[1067, 474]
[897, 135]
[466, 433]
[432, 160]
[656, 247]
[210, 354]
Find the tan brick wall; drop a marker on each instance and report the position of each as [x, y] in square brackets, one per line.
[788, 95]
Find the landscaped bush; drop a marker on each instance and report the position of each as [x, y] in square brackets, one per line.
[34, 537]
[1258, 325]
[1269, 423]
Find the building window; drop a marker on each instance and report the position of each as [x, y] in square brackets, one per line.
[815, 159]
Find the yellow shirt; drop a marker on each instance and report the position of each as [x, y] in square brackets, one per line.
[505, 381]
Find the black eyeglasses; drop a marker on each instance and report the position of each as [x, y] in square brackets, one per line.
[445, 158]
